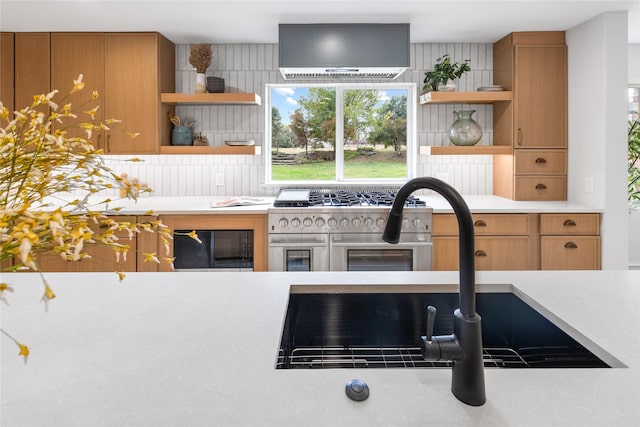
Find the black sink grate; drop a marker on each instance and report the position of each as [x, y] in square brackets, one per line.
[411, 357]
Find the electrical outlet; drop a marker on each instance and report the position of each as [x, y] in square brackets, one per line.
[219, 179]
[589, 185]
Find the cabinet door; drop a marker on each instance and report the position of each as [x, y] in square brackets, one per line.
[32, 67]
[541, 97]
[103, 258]
[132, 92]
[6, 70]
[73, 54]
[570, 252]
[491, 253]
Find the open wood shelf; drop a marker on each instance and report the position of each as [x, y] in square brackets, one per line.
[465, 97]
[473, 150]
[211, 98]
[205, 149]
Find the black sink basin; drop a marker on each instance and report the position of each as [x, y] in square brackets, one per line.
[382, 330]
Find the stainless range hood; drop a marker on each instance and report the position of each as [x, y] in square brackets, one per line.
[343, 51]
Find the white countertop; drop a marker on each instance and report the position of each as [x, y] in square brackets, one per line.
[203, 205]
[199, 349]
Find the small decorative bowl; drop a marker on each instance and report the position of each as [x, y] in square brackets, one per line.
[215, 85]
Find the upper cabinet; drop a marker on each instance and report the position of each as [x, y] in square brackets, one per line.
[6, 69]
[138, 67]
[32, 67]
[533, 65]
[129, 70]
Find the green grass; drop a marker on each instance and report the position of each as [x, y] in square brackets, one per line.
[325, 171]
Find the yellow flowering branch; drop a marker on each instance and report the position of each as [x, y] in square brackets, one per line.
[41, 162]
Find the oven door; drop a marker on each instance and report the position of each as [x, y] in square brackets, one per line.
[368, 252]
[298, 252]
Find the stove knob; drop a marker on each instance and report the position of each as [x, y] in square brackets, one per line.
[283, 222]
[380, 222]
[331, 222]
[308, 222]
[368, 222]
[295, 222]
[405, 223]
[344, 222]
[319, 222]
[355, 222]
[416, 222]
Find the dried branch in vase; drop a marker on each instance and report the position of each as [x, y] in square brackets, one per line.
[200, 57]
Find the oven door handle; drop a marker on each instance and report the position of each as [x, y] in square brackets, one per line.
[380, 245]
[298, 243]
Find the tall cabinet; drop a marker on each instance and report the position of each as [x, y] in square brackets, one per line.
[533, 65]
[6, 69]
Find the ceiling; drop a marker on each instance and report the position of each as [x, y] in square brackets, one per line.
[256, 21]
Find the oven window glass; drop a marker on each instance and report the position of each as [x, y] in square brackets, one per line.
[380, 260]
[220, 249]
[298, 260]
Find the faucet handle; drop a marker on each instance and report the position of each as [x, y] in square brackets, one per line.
[431, 320]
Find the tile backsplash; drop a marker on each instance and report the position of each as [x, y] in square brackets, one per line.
[248, 68]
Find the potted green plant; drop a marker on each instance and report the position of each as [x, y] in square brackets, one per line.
[444, 71]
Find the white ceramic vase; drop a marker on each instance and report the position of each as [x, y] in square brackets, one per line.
[201, 83]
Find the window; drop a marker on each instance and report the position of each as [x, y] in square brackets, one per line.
[341, 133]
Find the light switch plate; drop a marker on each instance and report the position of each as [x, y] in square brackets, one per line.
[589, 185]
[219, 179]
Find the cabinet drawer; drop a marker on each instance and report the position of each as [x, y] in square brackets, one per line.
[495, 224]
[491, 253]
[570, 224]
[543, 187]
[540, 162]
[570, 252]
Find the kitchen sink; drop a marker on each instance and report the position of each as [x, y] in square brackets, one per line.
[335, 329]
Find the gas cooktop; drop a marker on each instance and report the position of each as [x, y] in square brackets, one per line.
[324, 198]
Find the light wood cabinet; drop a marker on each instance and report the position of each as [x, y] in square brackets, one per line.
[31, 67]
[129, 70]
[570, 241]
[73, 54]
[255, 222]
[534, 66]
[6, 69]
[138, 67]
[502, 242]
[103, 258]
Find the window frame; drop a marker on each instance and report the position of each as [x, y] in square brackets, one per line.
[340, 87]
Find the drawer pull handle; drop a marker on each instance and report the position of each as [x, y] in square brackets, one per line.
[519, 136]
[541, 160]
[480, 223]
[541, 187]
[479, 253]
[570, 245]
[569, 223]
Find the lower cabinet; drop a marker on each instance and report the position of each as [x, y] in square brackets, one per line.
[502, 242]
[570, 241]
[103, 258]
[522, 241]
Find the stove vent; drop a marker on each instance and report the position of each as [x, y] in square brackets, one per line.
[343, 51]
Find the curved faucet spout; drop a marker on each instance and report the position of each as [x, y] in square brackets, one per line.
[391, 232]
[464, 346]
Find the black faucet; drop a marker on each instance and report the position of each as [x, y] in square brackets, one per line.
[464, 346]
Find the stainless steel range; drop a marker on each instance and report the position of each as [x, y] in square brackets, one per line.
[342, 231]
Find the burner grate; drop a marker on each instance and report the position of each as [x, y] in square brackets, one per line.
[411, 357]
[359, 198]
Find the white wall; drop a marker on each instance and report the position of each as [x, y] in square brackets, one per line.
[634, 64]
[248, 67]
[597, 54]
